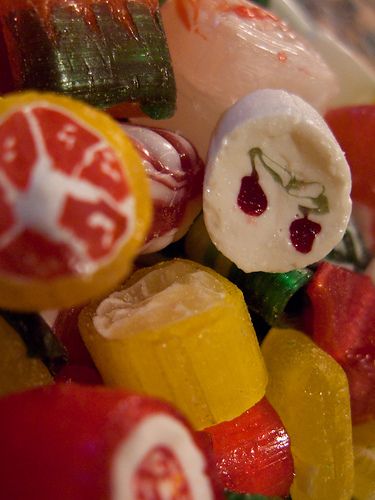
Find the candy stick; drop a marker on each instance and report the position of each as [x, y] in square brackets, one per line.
[267, 294]
[342, 322]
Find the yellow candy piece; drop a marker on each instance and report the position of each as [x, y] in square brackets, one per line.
[18, 371]
[74, 200]
[364, 461]
[310, 392]
[180, 332]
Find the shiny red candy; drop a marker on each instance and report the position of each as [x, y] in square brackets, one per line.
[342, 322]
[354, 129]
[92, 443]
[253, 452]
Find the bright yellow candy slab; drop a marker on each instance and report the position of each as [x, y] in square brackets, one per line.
[181, 332]
[310, 392]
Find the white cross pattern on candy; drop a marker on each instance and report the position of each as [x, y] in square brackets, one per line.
[62, 183]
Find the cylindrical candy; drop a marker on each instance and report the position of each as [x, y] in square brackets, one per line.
[252, 452]
[223, 49]
[176, 175]
[277, 181]
[105, 52]
[181, 332]
[309, 390]
[93, 443]
[342, 323]
[74, 201]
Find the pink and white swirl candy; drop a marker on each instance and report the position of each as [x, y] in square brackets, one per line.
[176, 174]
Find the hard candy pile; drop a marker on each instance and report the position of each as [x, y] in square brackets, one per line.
[187, 239]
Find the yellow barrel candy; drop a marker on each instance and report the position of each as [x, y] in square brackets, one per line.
[181, 332]
[18, 371]
[310, 392]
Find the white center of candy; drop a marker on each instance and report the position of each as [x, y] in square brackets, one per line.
[154, 432]
[161, 297]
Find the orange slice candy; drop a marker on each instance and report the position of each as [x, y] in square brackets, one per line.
[74, 202]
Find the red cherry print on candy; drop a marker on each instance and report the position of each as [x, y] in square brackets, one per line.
[302, 234]
[251, 197]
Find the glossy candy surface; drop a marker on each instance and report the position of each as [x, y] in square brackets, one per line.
[353, 127]
[181, 332]
[253, 453]
[74, 199]
[105, 52]
[342, 322]
[98, 443]
[310, 392]
[176, 174]
[223, 49]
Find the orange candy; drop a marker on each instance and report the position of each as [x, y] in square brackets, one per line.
[74, 201]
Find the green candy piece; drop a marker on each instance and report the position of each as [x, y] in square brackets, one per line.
[95, 55]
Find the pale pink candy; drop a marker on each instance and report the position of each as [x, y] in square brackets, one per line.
[224, 49]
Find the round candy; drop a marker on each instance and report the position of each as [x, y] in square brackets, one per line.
[74, 201]
[277, 185]
[92, 443]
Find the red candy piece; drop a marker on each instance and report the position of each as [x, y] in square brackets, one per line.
[342, 317]
[354, 128]
[89, 443]
[253, 452]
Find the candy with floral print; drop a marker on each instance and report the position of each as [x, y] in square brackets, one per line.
[176, 174]
[69, 201]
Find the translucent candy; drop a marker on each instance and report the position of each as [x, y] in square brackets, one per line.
[310, 392]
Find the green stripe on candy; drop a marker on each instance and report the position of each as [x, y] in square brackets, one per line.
[103, 64]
